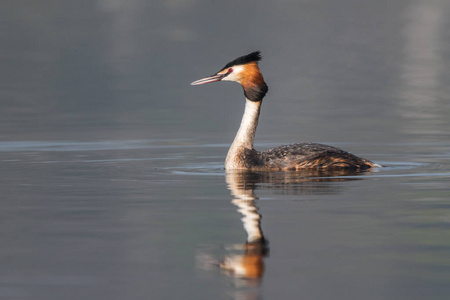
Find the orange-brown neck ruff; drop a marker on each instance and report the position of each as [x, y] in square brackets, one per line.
[253, 82]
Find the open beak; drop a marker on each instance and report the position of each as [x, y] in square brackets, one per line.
[213, 78]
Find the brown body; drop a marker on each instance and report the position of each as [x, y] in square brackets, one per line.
[299, 157]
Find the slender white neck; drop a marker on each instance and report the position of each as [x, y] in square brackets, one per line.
[246, 134]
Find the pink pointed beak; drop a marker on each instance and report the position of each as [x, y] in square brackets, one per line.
[213, 78]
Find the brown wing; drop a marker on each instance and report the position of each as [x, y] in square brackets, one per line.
[311, 156]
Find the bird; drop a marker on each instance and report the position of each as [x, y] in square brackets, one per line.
[300, 156]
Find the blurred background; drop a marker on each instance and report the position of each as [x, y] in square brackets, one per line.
[337, 70]
[112, 182]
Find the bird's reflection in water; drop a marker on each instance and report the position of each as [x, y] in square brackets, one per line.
[245, 262]
[249, 263]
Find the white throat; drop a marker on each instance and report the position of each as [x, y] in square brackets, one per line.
[245, 136]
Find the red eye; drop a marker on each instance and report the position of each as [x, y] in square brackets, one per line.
[230, 70]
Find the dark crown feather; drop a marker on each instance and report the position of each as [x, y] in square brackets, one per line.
[254, 56]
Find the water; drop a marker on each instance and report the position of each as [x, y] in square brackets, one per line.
[112, 177]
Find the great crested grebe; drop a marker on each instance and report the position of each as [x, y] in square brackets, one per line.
[241, 155]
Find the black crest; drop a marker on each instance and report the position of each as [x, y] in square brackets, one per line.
[254, 56]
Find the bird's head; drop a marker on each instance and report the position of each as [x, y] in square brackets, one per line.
[245, 71]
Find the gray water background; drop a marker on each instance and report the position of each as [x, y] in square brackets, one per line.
[112, 182]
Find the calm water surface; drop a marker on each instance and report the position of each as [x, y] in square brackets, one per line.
[112, 178]
[148, 218]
